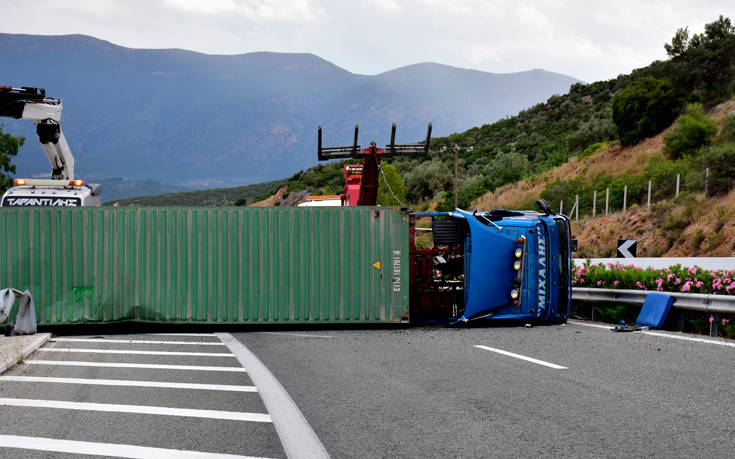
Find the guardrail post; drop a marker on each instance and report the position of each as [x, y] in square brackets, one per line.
[680, 320]
[625, 197]
[607, 198]
[678, 177]
[713, 325]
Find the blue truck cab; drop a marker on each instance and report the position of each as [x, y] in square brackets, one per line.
[492, 265]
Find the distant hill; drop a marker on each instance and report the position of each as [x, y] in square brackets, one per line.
[115, 189]
[206, 120]
[236, 196]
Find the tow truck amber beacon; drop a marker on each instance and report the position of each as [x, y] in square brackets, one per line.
[62, 189]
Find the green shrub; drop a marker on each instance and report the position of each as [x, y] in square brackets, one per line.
[595, 130]
[691, 132]
[427, 179]
[394, 184]
[727, 132]
[644, 108]
[721, 162]
[507, 168]
[592, 149]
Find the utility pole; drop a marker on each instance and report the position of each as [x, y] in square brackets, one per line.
[456, 149]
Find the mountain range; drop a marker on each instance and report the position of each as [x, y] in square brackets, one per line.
[200, 120]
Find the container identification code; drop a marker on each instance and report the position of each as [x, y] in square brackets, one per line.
[396, 270]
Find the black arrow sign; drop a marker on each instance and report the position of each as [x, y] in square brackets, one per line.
[627, 248]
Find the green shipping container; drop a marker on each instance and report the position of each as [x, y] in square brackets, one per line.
[277, 265]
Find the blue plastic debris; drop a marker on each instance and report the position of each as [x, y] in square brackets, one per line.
[655, 309]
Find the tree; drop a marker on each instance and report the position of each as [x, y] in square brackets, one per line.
[691, 132]
[394, 184]
[679, 43]
[507, 168]
[644, 108]
[9, 147]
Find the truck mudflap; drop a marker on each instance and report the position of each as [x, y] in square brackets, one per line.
[490, 279]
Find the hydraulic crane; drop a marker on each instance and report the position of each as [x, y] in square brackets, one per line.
[361, 180]
[29, 103]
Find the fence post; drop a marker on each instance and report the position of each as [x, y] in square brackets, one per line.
[594, 203]
[649, 195]
[677, 184]
[576, 209]
[607, 198]
[713, 328]
[625, 197]
[561, 207]
[706, 180]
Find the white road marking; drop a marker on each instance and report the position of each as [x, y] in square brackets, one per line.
[126, 351]
[149, 366]
[106, 449]
[180, 334]
[137, 409]
[661, 334]
[130, 383]
[523, 357]
[133, 341]
[298, 335]
[297, 436]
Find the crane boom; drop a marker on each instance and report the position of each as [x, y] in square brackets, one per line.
[366, 177]
[31, 104]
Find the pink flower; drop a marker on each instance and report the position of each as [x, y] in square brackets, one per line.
[677, 281]
[711, 319]
[699, 284]
[616, 283]
[693, 270]
[687, 285]
[599, 282]
[725, 322]
[668, 278]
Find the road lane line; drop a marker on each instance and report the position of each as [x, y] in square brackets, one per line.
[106, 449]
[133, 341]
[297, 335]
[148, 366]
[179, 334]
[126, 351]
[660, 334]
[523, 357]
[130, 383]
[297, 436]
[137, 409]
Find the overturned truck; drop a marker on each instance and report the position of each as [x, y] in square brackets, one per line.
[279, 265]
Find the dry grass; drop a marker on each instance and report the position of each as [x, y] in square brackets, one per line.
[710, 228]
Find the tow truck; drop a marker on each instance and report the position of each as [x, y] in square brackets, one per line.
[491, 265]
[62, 189]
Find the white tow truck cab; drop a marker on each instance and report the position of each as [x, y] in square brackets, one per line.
[52, 193]
[28, 103]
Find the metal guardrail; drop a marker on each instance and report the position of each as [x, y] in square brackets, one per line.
[711, 304]
[718, 304]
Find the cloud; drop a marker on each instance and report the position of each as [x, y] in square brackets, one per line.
[292, 11]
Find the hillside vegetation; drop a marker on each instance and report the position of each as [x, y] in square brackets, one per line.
[673, 117]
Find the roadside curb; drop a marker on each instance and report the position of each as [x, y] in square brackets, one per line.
[29, 349]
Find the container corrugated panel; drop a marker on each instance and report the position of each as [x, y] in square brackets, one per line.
[275, 265]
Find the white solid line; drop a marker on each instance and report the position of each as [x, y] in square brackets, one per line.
[106, 449]
[125, 351]
[180, 334]
[133, 341]
[298, 335]
[523, 357]
[149, 366]
[297, 436]
[130, 383]
[662, 335]
[138, 409]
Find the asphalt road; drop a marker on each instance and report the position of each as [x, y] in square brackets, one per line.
[416, 392]
[428, 392]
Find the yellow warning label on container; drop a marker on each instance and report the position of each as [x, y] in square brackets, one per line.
[376, 265]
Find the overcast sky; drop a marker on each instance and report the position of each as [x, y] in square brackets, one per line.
[587, 39]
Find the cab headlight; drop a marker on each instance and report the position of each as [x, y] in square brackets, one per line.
[518, 252]
[517, 265]
[514, 293]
